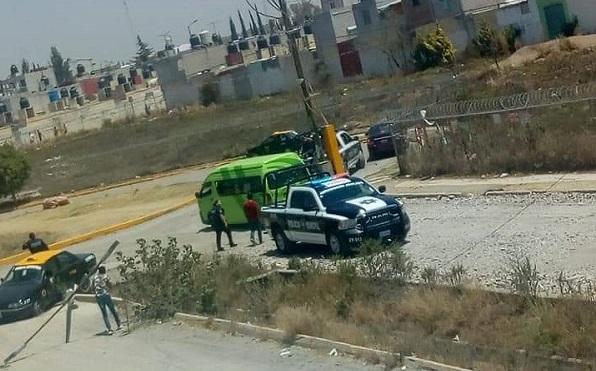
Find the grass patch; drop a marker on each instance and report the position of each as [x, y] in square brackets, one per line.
[547, 139]
[341, 304]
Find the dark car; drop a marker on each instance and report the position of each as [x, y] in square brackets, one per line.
[278, 142]
[39, 281]
[380, 140]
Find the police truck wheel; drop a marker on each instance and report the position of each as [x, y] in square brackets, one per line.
[335, 244]
[282, 243]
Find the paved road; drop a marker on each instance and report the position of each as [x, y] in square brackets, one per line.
[170, 346]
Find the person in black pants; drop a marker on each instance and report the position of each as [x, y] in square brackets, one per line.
[217, 217]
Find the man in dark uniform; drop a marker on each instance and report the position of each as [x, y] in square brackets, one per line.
[34, 244]
[217, 218]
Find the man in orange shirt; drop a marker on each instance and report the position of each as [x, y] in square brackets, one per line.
[252, 212]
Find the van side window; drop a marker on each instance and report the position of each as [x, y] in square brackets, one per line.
[239, 186]
[206, 190]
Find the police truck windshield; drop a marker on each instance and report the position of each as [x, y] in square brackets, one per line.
[348, 191]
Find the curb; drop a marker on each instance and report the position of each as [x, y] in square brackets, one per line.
[311, 342]
[103, 231]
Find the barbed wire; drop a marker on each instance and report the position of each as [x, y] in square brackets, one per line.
[495, 105]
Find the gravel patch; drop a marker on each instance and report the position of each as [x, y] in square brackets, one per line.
[483, 233]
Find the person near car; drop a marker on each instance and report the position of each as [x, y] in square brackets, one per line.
[101, 283]
[217, 218]
[251, 210]
[34, 244]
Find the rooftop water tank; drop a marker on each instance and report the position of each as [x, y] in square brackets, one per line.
[54, 95]
[122, 79]
[262, 42]
[24, 103]
[195, 41]
[275, 39]
[205, 37]
[243, 44]
[80, 70]
[233, 48]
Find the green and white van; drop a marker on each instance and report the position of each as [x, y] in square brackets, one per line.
[232, 182]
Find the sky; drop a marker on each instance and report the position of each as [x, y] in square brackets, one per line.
[99, 28]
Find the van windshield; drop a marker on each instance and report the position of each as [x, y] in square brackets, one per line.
[239, 186]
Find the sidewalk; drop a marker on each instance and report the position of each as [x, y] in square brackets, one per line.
[556, 182]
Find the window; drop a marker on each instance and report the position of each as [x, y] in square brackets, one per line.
[416, 2]
[366, 17]
[346, 138]
[239, 186]
[66, 260]
[303, 200]
[525, 8]
[206, 190]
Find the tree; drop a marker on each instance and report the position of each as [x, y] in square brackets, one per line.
[25, 66]
[489, 43]
[14, 171]
[303, 10]
[243, 26]
[434, 49]
[233, 32]
[14, 70]
[144, 52]
[61, 67]
[260, 22]
[253, 26]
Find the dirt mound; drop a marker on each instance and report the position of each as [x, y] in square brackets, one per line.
[533, 52]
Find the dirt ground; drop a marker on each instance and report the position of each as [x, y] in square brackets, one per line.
[88, 213]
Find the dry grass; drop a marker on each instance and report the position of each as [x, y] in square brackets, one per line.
[385, 314]
[87, 213]
[13, 242]
[199, 135]
[557, 138]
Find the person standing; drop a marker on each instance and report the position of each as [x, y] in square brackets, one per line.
[34, 244]
[217, 218]
[252, 212]
[101, 283]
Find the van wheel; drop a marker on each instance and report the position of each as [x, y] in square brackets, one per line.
[283, 244]
[335, 244]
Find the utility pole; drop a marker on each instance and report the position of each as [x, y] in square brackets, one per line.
[297, 63]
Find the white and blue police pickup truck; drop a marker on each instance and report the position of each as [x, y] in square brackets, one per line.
[335, 211]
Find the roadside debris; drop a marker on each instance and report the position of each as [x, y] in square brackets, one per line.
[285, 352]
[54, 202]
[333, 352]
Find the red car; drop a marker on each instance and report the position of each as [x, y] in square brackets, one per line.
[380, 140]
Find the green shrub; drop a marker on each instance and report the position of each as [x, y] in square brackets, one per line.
[488, 42]
[512, 33]
[433, 50]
